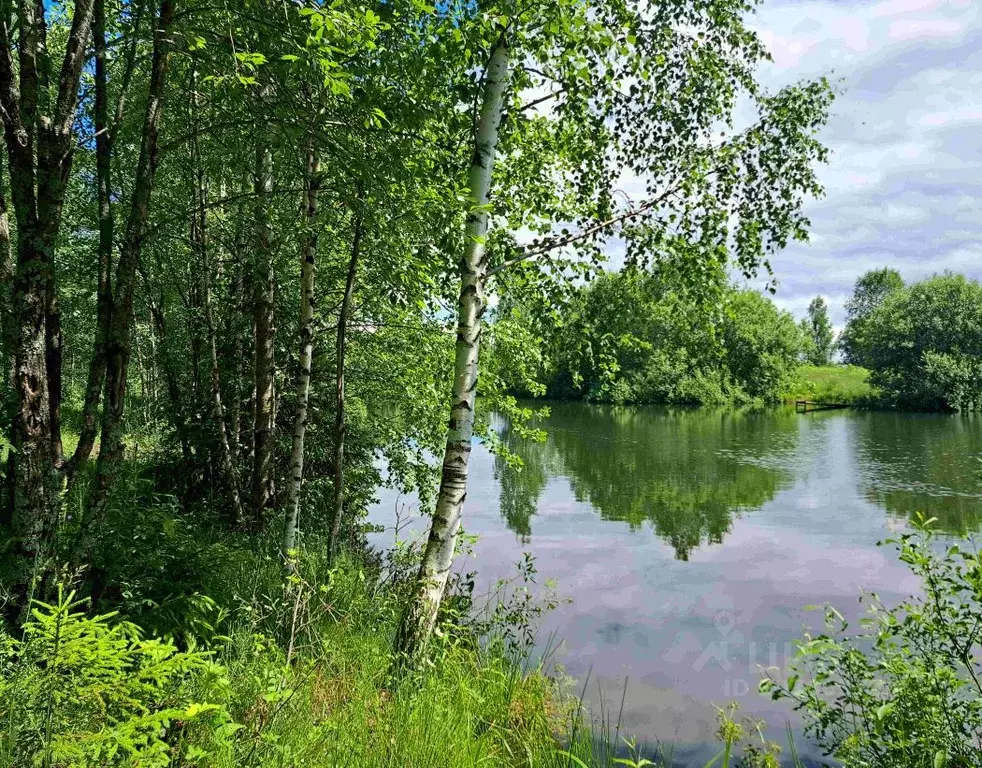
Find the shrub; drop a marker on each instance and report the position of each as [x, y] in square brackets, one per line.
[905, 690]
[638, 337]
[81, 690]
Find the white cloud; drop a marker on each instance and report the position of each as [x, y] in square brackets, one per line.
[904, 183]
[914, 29]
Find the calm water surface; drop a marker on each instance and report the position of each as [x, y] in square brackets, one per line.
[690, 541]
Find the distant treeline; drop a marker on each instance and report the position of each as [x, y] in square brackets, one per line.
[922, 343]
[643, 337]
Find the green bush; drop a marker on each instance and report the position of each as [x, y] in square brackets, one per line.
[640, 337]
[82, 690]
[923, 345]
[905, 690]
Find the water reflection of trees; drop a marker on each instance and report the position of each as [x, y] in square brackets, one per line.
[923, 463]
[686, 472]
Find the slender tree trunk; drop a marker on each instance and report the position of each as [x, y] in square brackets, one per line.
[8, 341]
[247, 438]
[195, 315]
[224, 450]
[170, 380]
[8, 334]
[119, 340]
[262, 277]
[103, 158]
[340, 426]
[53, 360]
[141, 369]
[226, 464]
[153, 378]
[241, 327]
[235, 342]
[308, 256]
[420, 616]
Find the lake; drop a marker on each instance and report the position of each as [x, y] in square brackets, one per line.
[690, 541]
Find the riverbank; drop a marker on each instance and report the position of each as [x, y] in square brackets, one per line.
[197, 652]
[843, 384]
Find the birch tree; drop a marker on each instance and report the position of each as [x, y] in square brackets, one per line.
[38, 113]
[119, 337]
[598, 90]
[106, 130]
[308, 258]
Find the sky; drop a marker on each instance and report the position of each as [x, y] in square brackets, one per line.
[904, 180]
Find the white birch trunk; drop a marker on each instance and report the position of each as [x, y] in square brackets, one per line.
[306, 355]
[264, 341]
[421, 613]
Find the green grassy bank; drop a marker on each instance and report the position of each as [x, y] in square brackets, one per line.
[846, 384]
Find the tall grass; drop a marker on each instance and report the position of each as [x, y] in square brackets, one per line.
[185, 646]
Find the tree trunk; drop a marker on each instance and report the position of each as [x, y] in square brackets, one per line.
[170, 379]
[118, 342]
[234, 333]
[308, 256]
[39, 138]
[225, 452]
[262, 278]
[420, 616]
[103, 158]
[8, 336]
[195, 315]
[340, 427]
[226, 465]
[53, 359]
[8, 340]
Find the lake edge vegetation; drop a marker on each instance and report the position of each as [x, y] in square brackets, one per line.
[246, 253]
[640, 338]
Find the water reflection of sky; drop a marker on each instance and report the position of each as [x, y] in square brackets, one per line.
[797, 503]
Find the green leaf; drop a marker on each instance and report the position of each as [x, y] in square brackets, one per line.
[574, 758]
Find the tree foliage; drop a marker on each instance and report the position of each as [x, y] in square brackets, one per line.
[642, 337]
[868, 294]
[923, 344]
[820, 337]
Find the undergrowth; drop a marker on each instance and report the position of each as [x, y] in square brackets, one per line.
[186, 646]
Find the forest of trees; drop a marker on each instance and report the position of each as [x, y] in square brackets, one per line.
[254, 252]
[243, 231]
[644, 337]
